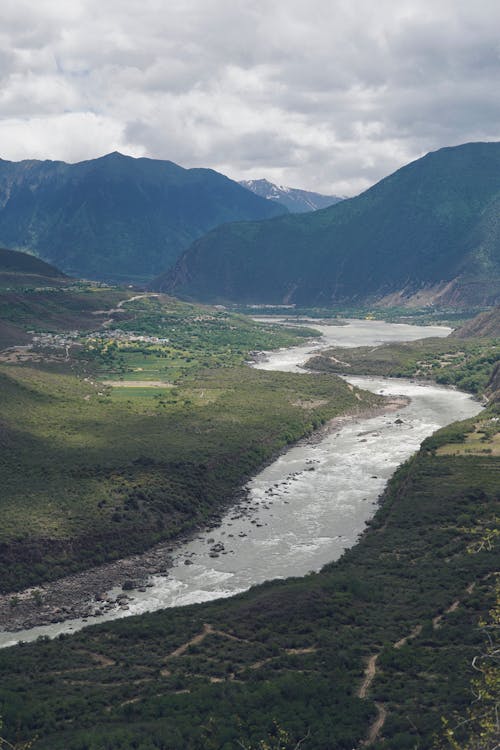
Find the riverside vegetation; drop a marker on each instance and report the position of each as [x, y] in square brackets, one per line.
[465, 363]
[378, 645]
[93, 468]
[376, 648]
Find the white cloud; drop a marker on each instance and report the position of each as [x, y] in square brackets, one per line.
[330, 95]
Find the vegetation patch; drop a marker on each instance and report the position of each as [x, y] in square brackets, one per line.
[465, 363]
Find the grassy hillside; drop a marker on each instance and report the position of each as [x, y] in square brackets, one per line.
[114, 440]
[116, 217]
[378, 644]
[428, 232]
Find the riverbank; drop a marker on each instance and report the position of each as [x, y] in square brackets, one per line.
[110, 589]
[295, 653]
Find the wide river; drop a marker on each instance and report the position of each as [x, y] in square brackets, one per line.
[313, 502]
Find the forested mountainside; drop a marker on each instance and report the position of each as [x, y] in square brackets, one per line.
[427, 233]
[116, 217]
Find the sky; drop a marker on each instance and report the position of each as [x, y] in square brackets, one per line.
[326, 95]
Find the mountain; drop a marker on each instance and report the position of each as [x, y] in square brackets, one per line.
[427, 234]
[484, 324]
[24, 282]
[116, 217]
[13, 262]
[296, 201]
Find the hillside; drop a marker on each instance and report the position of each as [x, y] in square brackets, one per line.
[24, 280]
[429, 233]
[22, 263]
[484, 324]
[116, 217]
[296, 201]
[380, 642]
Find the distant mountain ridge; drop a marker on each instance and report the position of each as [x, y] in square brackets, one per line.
[116, 217]
[427, 234]
[295, 200]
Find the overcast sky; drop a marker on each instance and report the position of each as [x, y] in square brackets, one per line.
[328, 95]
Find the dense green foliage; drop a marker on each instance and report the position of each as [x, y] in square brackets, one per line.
[96, 462]
[431, 222]
[290, 654]
[116, 217]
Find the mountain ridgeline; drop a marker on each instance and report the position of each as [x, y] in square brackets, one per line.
[294, 200]
[117, 218]
[429, 233]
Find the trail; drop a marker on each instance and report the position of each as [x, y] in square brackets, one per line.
[371, 672]
[374, 729]
[207, 630]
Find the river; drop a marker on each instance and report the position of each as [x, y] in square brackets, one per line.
[309, 505]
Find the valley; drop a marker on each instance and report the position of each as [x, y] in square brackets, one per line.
[271, 532]
[249, 432]
[222, 532]
[259, 653]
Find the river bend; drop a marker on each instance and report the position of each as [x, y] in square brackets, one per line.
[309, 505]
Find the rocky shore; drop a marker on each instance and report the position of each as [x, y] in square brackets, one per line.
[93, 593]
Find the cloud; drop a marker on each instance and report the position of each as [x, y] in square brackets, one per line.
[328, 95]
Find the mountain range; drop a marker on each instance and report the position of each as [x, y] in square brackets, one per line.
[294, 200]
[116, 217]
[427, 234]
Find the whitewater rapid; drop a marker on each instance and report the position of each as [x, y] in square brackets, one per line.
[309, 505]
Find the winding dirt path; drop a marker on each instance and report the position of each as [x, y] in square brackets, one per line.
[370, 672]
[374, 730]
[207, 630]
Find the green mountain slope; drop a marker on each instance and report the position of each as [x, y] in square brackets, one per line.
[428, 233]
[116, 217]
